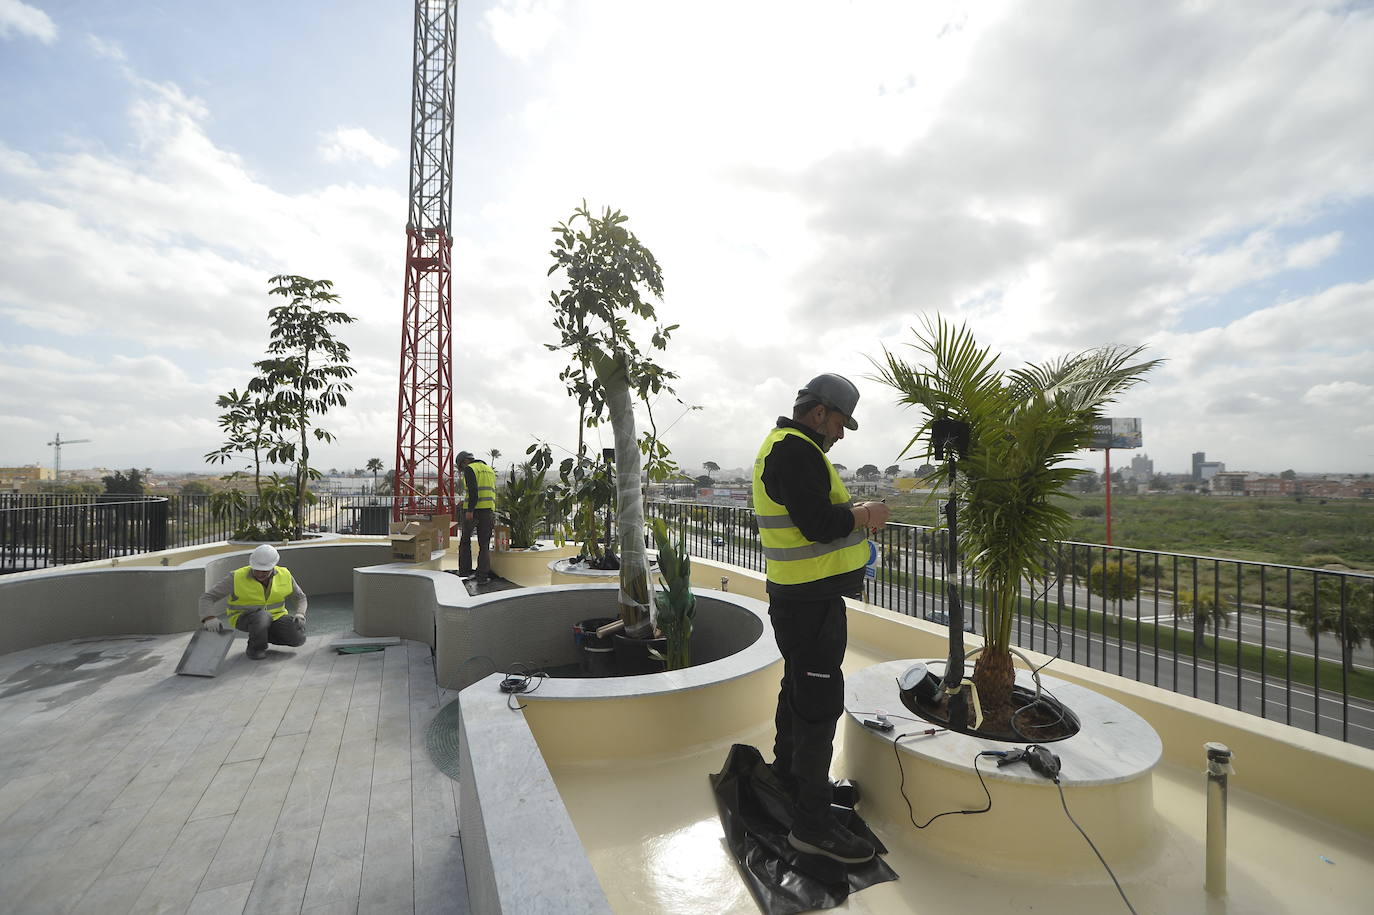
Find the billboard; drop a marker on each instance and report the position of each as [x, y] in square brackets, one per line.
[1115, 432]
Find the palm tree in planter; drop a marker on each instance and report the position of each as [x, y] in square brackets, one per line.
[607, 274]
[1022, 427]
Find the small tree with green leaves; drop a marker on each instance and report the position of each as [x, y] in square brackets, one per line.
[1352, 625]
[610, 277]
[306, 372]
[1204, 608]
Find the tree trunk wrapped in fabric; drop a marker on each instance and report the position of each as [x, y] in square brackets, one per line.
[629, 519]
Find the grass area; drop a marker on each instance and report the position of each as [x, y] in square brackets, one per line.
[1332, 534]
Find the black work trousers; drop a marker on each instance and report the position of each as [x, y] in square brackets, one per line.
[811, 637]
[261, 629]
[483, 520]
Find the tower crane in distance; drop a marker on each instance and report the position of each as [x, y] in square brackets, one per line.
[57, 443]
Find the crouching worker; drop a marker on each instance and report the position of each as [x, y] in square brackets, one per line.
[256, 603]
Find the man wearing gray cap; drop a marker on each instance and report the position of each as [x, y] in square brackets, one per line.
[815, 546]
[479, 514]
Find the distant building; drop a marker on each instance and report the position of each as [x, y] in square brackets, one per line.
[1199, 457]
[1209, 469]
[1142, 468]
[16, 479]
[1230, 483]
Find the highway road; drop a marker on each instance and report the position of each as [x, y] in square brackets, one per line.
[1289, 703]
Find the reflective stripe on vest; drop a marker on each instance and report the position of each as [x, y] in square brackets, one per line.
[248, 594]
[486, 484]
[791, 558]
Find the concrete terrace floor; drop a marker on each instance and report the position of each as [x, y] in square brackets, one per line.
[300, 783]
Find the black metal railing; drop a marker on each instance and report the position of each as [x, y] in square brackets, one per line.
[1286, 643]
[41, 530]
[37, 532]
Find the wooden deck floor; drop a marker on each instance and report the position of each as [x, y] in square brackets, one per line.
[299, 783]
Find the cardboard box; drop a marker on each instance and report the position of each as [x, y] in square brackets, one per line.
[412, 541]
[439, 524]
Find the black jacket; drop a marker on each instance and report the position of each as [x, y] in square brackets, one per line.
[795, 476]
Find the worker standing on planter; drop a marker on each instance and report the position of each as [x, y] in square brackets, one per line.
[815, 544]
[479, 485]
[256, 598]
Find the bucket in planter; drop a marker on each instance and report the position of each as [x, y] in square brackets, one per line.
[598, 655]
[632, 655]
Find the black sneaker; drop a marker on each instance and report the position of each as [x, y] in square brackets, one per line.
[257, 654]
[831, 840]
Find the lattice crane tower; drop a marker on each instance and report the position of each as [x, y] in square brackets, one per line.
[424, 420]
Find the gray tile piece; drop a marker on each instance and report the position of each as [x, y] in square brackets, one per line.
[114, 894]
[175, 882]
[280, 884]
[224, 900]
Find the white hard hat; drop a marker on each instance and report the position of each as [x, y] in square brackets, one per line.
[264, 557]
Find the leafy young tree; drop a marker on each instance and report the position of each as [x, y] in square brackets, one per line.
[306, 372]
[1204, 608]
[1023, 426]
[1352, 626]
[252, 426]
[610, 277]
[119, 484]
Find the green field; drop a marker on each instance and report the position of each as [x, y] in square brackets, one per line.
[1332, 534]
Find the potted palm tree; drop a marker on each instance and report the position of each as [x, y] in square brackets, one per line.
[1022, 426]
[520, 503]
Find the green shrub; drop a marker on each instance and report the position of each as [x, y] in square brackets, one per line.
[1114, 579]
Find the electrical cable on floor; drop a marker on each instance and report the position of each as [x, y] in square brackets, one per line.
[911, 814]
[1065, 805]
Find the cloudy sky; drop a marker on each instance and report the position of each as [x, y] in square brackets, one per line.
[813, 176]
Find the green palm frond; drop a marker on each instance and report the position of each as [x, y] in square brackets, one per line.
[1024, 425]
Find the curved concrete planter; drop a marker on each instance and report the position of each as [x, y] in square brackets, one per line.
[1106, 776]
[562, 572]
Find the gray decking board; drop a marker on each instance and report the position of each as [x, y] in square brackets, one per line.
[297, 782]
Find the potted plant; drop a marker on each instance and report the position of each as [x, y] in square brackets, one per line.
[608, 272]
[675, 602]
[521, 503]
[1022, 426]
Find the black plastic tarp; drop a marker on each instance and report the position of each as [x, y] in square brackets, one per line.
[757, 815]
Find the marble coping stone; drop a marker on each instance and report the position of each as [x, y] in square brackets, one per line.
[1113, 744]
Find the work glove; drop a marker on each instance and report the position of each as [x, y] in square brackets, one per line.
[299, 620]
[213, 624]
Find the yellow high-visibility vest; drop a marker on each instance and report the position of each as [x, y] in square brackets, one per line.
[791, 559]
[249, 593]
[486, 484]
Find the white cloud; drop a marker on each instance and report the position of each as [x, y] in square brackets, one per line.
[355, 144]
[20, 18]
[1341, 394]
[523, 28]
[106, 48]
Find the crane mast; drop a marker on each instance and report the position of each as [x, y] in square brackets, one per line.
[424, 416]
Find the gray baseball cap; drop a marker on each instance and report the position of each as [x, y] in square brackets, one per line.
[836, 392]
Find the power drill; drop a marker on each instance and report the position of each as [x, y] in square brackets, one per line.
[1041, 761]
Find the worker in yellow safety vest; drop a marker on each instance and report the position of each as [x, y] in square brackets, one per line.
[815, 547]
[256, 599]
[479, 515]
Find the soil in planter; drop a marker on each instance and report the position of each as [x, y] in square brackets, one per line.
[1034, 721]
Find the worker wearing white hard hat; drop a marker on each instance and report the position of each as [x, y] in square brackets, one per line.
[256, 599]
